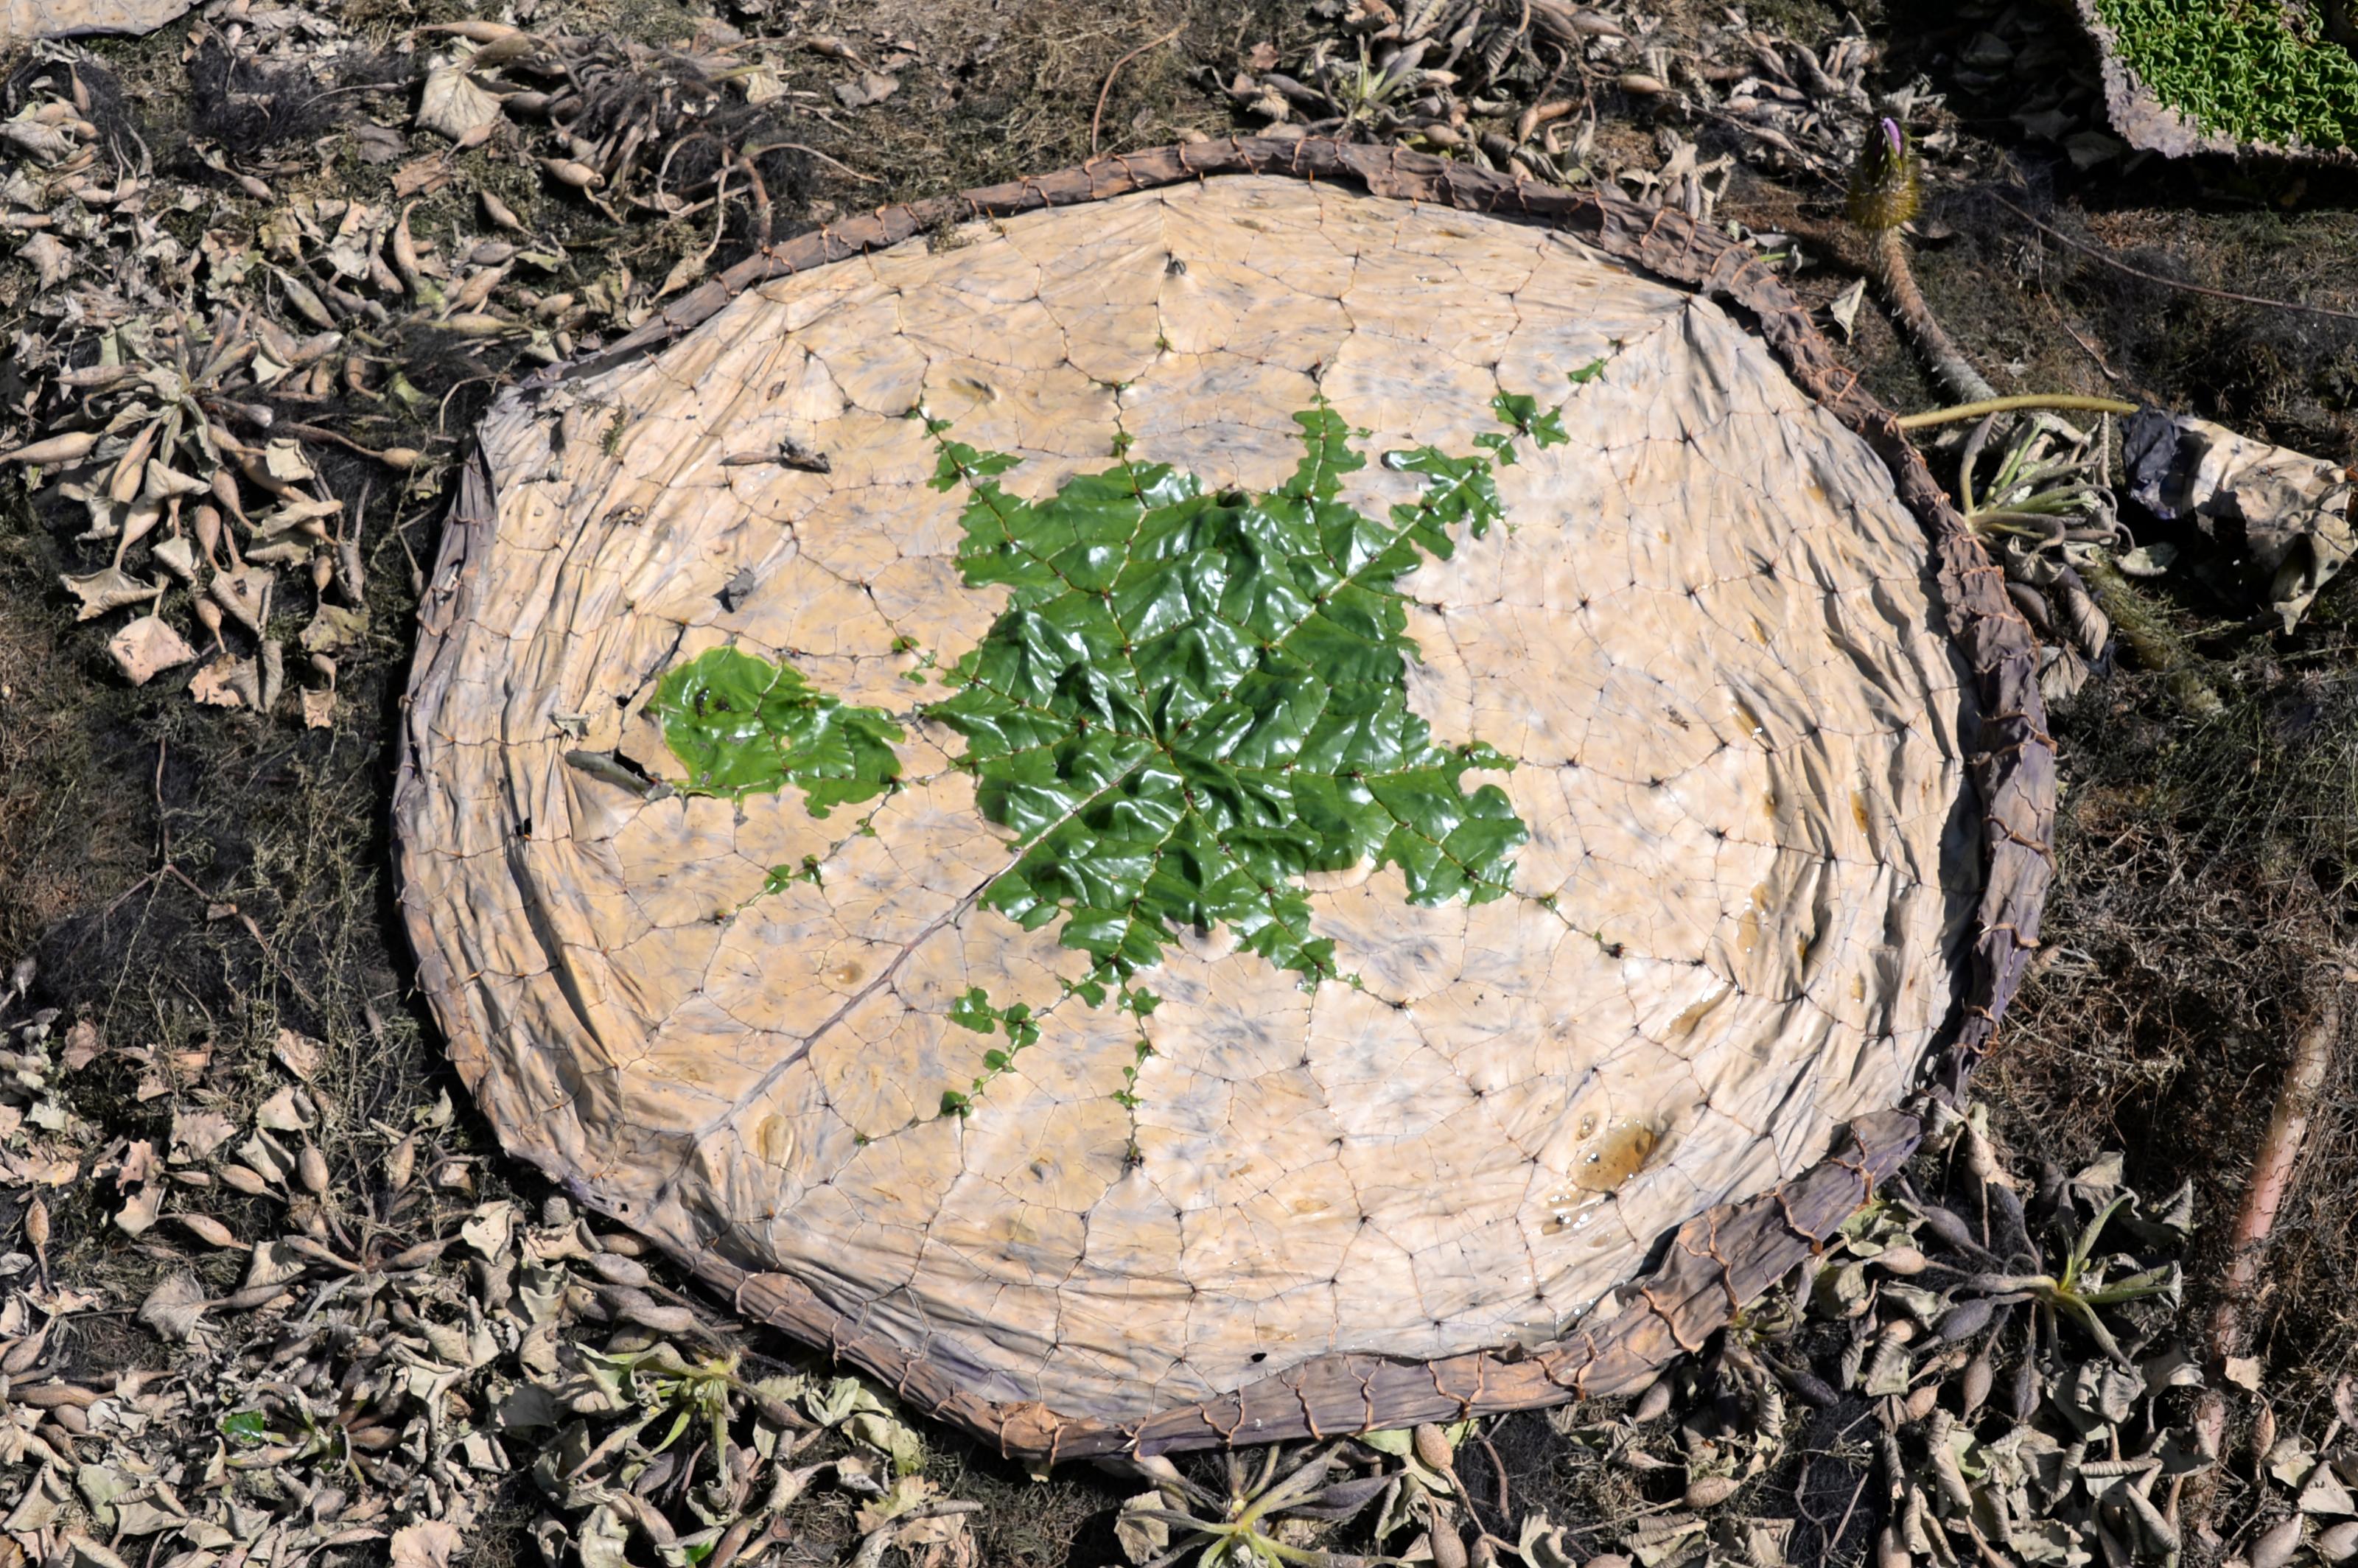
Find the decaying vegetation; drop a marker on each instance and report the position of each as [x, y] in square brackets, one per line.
[270, 1295]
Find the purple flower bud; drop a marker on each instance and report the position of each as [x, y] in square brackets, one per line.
[1891, 133]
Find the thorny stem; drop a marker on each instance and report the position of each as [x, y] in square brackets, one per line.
[1988, 402]
[1948, 363]
[1949, 367]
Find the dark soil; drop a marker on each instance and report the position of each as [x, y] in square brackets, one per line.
[2207, 871]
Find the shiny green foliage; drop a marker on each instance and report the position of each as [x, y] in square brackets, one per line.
[246, 1426]
[1193, 700]
[744, 726]
[2242, 67]
[974, 1011]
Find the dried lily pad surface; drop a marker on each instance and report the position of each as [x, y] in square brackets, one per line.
[1141, 794]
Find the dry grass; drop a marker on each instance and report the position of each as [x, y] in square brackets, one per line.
[62, 837]
[2206, 872]
[2207, 887]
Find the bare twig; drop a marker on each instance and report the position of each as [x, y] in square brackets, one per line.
[1506, 1512]
[761, 194]
[1856, 1493]
[1106, 92]
[812, 152]
[2091, 252]
[2088, 348]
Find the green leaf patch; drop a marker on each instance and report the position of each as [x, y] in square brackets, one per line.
[744, 726]
[1194, 699]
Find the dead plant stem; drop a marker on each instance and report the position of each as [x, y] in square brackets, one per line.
[2156, 646]
[812, 152]
[2273, 1170]
[1098, 119]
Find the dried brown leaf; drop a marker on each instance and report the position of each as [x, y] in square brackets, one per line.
[333, 629]
[178, 555]
[160, 482]
[421, 176]
[83, 1042]
[148, 646]
[264, 1155]
[873, 87]
[222, 683]
[276, 1262]
[54, 260]
[488, 1230]
[298, 1054]
[245, 594]
[378, 144]
[1842, 309]
[2325, 1494]
[401, 1163]
[43, 142]
[173, 1307]
[197, 1133]
[451, 104]
[137, 1216]
[139, 1164]
[84, 1552]
[426, 1544]
[110, 589]
[39, 1505]
[288, 1110]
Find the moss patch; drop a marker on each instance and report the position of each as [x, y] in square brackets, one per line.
[2240, 67]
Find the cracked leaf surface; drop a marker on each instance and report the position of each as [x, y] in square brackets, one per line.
[1700, 628]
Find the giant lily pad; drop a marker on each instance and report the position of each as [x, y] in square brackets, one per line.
[1205, 814]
